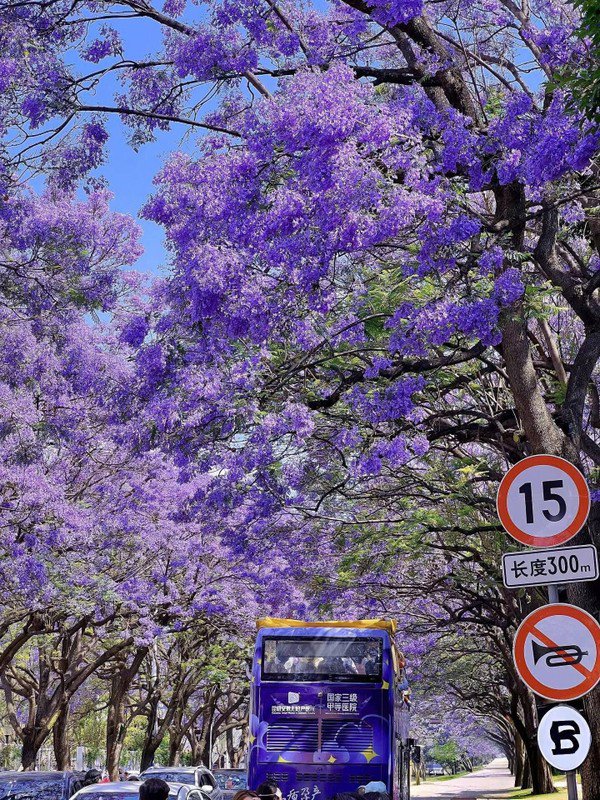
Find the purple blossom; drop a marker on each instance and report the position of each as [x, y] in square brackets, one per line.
[396, 12]
[509, 287]
[107, 44]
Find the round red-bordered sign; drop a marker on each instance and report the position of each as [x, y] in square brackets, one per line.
[557, 651]
[543, 501]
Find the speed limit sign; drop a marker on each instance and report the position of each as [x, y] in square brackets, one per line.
[543, 501]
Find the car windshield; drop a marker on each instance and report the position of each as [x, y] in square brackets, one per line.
[51, 789]
[231, 780]
[172, 776]
[308, 659]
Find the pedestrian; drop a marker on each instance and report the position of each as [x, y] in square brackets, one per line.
[269, 790]
[154, 789]
[91, 777]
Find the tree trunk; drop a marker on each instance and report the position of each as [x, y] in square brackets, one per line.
[196, 747]
[115, 733]
[176, 734]
[30, 748]
[245, 746]
[115, 722]
[175, 739]
[230, 746]
[60, 740]
[152, 740]
[537, 769]
[206, 752]
[519, 761]
[537, 773]
[526, 777]
[202, 743]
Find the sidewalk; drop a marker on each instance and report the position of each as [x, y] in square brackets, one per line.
[494, 782]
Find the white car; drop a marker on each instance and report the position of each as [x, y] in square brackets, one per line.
[200, 777]
[436, 770]
[130, 790]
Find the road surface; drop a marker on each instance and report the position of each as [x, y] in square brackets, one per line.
[492, 782]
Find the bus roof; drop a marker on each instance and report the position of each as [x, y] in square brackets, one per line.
[388, 625]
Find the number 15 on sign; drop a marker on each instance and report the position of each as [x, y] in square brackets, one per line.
[543, 501]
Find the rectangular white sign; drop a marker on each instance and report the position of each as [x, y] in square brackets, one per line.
[556, 565]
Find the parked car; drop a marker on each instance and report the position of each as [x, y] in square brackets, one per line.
[129, 790]
[435, 769]
[38, 785]
[231, 781]
[201, 777]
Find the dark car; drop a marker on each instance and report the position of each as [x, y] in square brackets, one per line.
[38, 785]
[231, 781]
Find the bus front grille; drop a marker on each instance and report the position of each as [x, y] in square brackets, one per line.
[352, 737]
[301, 735]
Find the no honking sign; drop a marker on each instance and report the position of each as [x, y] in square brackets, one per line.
[557, 651]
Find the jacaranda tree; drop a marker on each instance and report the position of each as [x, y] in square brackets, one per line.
[384, 248]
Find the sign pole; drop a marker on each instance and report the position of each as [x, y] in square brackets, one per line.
[571, 774]
[553, 594]
[572, 784]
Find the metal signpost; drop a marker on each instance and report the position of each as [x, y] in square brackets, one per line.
[543, 501]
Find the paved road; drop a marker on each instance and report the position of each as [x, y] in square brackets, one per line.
[492, 782]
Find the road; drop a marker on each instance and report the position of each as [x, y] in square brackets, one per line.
[492, 782]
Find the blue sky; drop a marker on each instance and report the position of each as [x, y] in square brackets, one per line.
[129, 173]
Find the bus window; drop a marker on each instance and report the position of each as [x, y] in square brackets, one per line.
[303, 658]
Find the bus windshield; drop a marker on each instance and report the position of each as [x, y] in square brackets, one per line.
[302, 658]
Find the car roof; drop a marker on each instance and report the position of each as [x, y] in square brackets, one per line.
[173, 769]
[13, 776]
[121, 786]
[107, 787]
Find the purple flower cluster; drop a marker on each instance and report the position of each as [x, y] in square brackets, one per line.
[396, 12]
[107, 44]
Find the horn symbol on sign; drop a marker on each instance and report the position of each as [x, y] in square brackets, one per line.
[567, 656]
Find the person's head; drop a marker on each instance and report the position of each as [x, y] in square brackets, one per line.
[154, 789]
[361, 790]
[92, 776]
[245, 794]
[269, 790]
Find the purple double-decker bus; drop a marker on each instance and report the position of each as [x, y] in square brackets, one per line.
[329, 709]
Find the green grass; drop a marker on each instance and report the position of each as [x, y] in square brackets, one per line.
[517, 794]
[437, 778]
